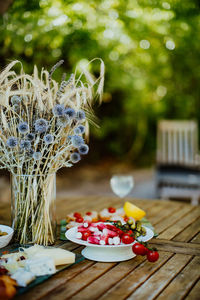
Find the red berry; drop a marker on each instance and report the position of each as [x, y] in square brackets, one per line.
[77, 215]
[88, 213]
[152, 256]
[139, 249]
[127, 239]
[85, 235]
[111, 210]
[3, 270]
[79, 220]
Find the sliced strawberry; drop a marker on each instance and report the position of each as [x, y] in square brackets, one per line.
[115, 229]
[82, 229]
[93, 240]
[104, 240]
[85, 235]
[109, 232]
[101, 226]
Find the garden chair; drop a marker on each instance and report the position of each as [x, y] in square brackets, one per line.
[178, 161]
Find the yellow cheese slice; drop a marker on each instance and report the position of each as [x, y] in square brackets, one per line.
[60, 256]
[133, 211]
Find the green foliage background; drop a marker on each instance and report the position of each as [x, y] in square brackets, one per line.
[150, 49]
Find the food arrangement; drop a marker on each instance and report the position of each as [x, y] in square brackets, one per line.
[20, 268]
[110, 233]
[129, 211]
[113, 227]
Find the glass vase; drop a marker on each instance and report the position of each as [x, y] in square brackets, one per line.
[33, 208]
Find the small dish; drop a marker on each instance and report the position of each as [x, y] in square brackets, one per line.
[5, 239]
[107, 253]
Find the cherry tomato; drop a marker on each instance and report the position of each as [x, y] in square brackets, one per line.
[88, 213]
[77, 215]
[127, 239]
[111, 210]
[130, 232]
[126, 219]
[139, 249]
[79, 220]
[85, 235]
[152, 256]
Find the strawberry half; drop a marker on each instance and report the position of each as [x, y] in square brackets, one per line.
[109, 233]
[93, 240]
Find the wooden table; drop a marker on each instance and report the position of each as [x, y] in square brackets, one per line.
[176, 275]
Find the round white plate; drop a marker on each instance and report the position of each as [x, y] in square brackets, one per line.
[5, 239]
[107, 253]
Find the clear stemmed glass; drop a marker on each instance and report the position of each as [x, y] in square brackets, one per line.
[122, 185]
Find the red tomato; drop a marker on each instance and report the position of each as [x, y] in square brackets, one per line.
[85, 235]
[111, 210]
[126, 219]
[130, 232]
[77, 215]
[139, 249]
[152, 256]
[79, 220]
[88, 213]
[127, 239]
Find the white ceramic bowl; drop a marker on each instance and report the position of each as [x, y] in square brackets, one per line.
[5, 239]
[107, 253]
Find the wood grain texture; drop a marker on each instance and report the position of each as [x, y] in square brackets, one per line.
[150, 289]
[175, 247]
[174, 276]
[183, 282]
[194, 294]
[136, 278]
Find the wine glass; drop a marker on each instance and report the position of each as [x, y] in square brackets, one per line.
[122, 185]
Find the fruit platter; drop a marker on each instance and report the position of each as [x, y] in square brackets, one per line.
[111, 234]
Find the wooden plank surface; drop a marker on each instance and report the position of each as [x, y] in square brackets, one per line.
[174, 275]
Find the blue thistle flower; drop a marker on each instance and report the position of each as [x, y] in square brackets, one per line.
[77, 130]
[16, 100]
[83, 149]
[23, 127]
[25, 144]
[58, 110]
[30, 152]
[63, 121]
[77, 141]
[16, 108]
[80, 115]
[12, 142]
[37, 155]
[70, 112]
[30, 136]
[41, 125]
[48, 138]
[75, 157]
[82, 128]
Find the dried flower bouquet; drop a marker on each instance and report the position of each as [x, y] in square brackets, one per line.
[43, 127]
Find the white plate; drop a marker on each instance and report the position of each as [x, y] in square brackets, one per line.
[5, 239]
[107, 253]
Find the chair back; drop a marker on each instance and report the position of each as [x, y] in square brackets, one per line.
[177, 142]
